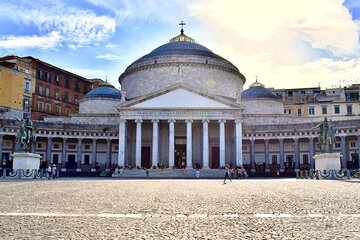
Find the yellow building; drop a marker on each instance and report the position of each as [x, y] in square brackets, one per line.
[17, 83]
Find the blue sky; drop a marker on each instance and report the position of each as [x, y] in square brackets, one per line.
[285, 43]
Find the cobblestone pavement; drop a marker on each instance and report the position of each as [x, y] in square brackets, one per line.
[179, 209]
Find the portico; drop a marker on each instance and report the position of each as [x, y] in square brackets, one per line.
[155, 121]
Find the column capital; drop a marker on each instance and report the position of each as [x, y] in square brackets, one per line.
[171, 120]
[239, 120]
[296, 139]
[189, 121]
[205, 121]
[122, 120]
[49, 138]
[79, 140]
[266, 140]
[138, 120]
[222, 121]
[155, 120]
[252, 140]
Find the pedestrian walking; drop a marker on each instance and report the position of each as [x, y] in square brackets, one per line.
[147, 173]
[227, 174]
[54, 171]
[49, 171]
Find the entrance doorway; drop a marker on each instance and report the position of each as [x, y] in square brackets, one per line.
[145, 157]
[215, 157]
[289, 162]
[180, 156]
[354, 161]
[71, 163]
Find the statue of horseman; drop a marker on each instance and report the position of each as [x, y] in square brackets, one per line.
[326, 135]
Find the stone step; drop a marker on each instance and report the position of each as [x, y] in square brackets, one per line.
[171, 173]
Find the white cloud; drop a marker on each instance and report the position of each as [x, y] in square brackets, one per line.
[74, 26]
[109, 56]
[286, 43]
[88, 73]
[51, 40]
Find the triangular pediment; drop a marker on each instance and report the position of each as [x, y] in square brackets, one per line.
[180, 97]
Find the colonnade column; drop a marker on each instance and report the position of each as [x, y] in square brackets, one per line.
[238, 142]
[108, 153]
[297, 155]
[343, 152]
[32, 147]
[93, 154]
[267, 165]
[122, 142]
[205, 143]
[188, 143]
[312, 153]
[48, 150]
[171, 142]
[64, 151]
[78, 158]
[1, 148]
[358, 145]
[281, 146]
[222, 142]
[155, 142]
[252, 154]
[138, 143]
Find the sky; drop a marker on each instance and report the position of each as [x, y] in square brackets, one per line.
[286, 44]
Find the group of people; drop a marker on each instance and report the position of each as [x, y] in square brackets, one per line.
[51, 172]
[233, 172]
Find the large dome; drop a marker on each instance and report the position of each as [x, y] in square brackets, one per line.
[180, 48]
[182, 60]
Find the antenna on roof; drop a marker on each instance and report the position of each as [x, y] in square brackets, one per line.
[106, 78]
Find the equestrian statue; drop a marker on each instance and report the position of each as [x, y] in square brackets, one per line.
[326, 135]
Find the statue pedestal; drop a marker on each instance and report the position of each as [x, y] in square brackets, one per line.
[328, 161]
[25, 160]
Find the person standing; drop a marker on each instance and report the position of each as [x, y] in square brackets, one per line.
[54, 171]
[227, 174]
[49, 171]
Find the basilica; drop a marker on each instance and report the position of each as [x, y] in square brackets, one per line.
[182, 107]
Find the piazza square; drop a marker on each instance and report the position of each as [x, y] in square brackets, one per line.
[179, 209]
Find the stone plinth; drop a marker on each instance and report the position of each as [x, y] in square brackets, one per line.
[327, 161]
[24, 160]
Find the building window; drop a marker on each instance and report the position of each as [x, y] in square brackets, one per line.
[47, 107]
[40, 90]
[68, 111]
[353, 144]
[76, 100]
[40, 74]
[311, 110]
[274, 159]
[287, 111]
[67, 83]
[47, 92]
[48, 76]
[56, 146]
[56, 95]
[72, 146]
[290, 93]
[40, 106]
[77, 88]
[86, 159]
[87, 147]
[299, 113]
[324, 110]
[27, 71]
[306, 159]
[66, 97]
[86, 88]
[57, 78]
[349, 110]
[337, 109]
[302, 92]
[55, 159]
[26, 105]
[27, 86]
[57, 110]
